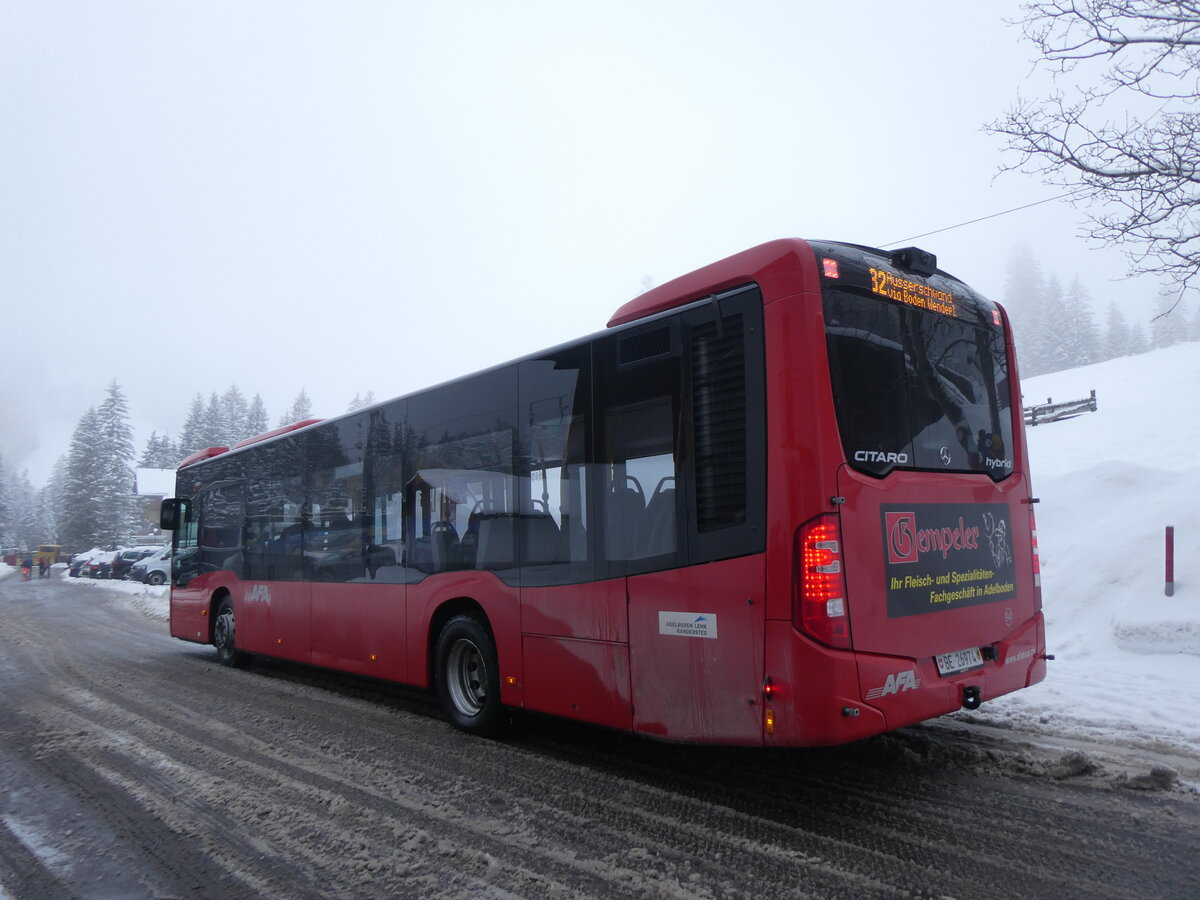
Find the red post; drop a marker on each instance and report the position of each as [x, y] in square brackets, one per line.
[1170, 560]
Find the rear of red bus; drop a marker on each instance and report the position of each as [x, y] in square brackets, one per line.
[902, 551]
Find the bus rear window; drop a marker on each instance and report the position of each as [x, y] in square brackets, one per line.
[915, 389]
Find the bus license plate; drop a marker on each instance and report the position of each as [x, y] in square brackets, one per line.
[959, 661]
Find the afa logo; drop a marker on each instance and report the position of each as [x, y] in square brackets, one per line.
[900, 681]
[260, 593]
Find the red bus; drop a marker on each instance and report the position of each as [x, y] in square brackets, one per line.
[781, 500]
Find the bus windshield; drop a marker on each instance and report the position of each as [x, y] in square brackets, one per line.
[916, 389]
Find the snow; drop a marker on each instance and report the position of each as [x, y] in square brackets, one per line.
[1127, 657]
[1127, 664]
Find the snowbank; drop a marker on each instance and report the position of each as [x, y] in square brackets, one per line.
[1127, 657]
[150, 601]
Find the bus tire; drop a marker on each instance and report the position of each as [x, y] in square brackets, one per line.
[224, 634]
[468, 676]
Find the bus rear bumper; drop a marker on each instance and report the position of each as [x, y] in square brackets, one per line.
[907, 691]
[823, 696]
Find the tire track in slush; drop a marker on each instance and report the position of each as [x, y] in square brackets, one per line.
[306, 780]
[166, 785]
[286, 781]
[580, 808]
[580, 819]
[586, 801]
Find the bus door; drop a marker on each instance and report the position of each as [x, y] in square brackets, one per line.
[272, 604]
[681, 430]
[574, 620]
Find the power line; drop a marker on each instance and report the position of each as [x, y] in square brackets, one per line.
[917, 237]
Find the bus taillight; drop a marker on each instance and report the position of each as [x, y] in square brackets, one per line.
[1037, 562]
[819, 584]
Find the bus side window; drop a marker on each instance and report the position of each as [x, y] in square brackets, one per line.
[459, 496]
[640, 516]
[187, 539]
[639, 403]
[726, 462]
[387, 545]
[274, 509]
[334, 545]
[555, 537]
[221, 522]
[274, 529]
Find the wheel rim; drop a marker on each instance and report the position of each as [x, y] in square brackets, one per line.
[466, 677]
[223, 631]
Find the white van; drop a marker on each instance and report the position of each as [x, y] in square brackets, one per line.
[154, 569]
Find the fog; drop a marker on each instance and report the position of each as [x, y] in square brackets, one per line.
[380, 196]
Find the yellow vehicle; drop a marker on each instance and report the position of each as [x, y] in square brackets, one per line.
[48, 552]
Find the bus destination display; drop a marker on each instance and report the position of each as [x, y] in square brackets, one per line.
[914, 293]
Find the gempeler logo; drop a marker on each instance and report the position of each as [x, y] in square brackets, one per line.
[901, 537]
[906, 542]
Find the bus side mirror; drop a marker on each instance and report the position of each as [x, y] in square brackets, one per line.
[173, 514]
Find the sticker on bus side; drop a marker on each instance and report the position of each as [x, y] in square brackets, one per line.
[687, 624]
[946, 555]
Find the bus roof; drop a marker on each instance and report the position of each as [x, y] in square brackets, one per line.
[785, 266]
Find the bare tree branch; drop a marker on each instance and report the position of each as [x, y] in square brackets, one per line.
[1123, 140]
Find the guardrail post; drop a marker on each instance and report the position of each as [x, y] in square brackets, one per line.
[1170, 591]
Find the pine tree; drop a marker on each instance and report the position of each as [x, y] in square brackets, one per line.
[1049, 348]
[1138, 343]
[160, 453]
[300, 409]
[50, 499]
[214, 430]
[1164, 327]
[235, 411]
[1023, 299]
[5, 506]
[257, 421]
[150, 454]
[358, 403]
[117, 512]
[79, 502]
[1080, 339]
[192, 437]
[31, 530]
[1116, 334]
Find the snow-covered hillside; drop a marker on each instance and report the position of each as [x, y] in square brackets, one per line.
[1127, 657]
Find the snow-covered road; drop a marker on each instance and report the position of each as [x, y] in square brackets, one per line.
[133, 765]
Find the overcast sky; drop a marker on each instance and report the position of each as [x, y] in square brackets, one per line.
[378, 196]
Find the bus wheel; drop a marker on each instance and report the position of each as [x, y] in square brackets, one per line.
[468, 676]
[223, 638]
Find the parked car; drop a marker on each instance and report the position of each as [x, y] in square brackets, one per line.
[80, 560]
[124, 560]
[100, 565]
[154, 569]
